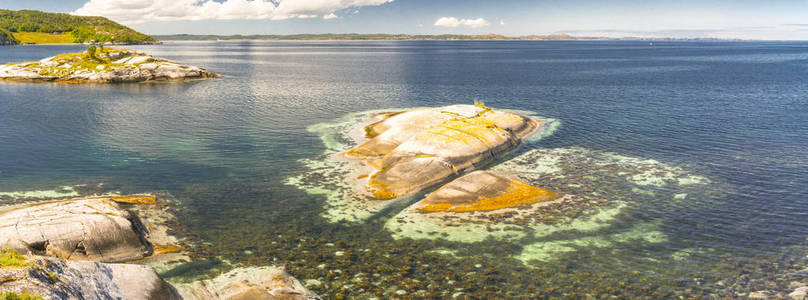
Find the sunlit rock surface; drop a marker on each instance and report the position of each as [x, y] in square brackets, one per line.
[90, 228]
[103, 66]
[482, 191]
[412, 150]
[53, 278]
[248, 283]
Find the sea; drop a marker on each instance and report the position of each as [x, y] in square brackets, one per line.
[691, 158]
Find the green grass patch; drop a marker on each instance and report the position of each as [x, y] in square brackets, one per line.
[11, 259]
[43, 38]
[69, 63]
[15, 296]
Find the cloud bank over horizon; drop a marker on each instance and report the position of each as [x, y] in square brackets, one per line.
[454, 22]
[140, 11]
[778, 20]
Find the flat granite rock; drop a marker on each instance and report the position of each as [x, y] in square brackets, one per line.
[471, 208]
[482, 191]
[53, 278]
[90, 228]
[412, 150]
[104, 66]
[248, 283]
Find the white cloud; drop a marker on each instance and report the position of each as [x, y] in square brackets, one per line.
[330, 16]
[502, 22]
[454, 22]
[139, 11]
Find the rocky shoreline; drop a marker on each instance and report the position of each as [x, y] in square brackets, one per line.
[103, 65]
[87, 247]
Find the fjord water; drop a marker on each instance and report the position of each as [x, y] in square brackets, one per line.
[732, 112]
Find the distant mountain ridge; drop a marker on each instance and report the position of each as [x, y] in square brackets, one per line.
[37, 27]
[380, 36]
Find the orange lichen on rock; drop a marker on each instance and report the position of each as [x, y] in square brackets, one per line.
[482, 191]
[162, 249]
[380, 190]
[378, 127]
[516, 194]
[134, 199]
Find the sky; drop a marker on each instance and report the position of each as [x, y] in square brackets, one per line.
[744, 19]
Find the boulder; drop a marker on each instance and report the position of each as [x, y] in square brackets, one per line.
[248, 283]
[482, 191]
[474, 207]
[800, 293]
[90, 228]
[413, 150]
[53, 278]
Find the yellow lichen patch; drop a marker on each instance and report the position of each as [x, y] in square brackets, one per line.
[379, 126]
[516, 194]
[380, 190]
[10, 259]
[370, 131]
[502, 118]
[376, 164]
[162, 249]
[134, 199]
[473, 132]
[359, 152]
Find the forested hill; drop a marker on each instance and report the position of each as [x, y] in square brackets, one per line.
[6, 38]
[36, 27]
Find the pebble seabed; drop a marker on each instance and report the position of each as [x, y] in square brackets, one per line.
[598, 242]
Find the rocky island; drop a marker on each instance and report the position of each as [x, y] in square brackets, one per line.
[102, 65]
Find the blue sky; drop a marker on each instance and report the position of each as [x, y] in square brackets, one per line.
[776, 19]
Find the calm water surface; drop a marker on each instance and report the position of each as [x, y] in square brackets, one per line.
[733, 112]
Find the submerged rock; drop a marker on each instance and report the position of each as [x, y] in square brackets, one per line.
[104, 66]
[412, 150]
[53, 278]
[800, 293]
[248, 283]
[91, 228]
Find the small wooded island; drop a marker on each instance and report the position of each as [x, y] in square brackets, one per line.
[102, 65]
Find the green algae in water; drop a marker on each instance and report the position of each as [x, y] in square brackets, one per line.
[547, 251]
[598, 188]
[188, 272]
[63, 191]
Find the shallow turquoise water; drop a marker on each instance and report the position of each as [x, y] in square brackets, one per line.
[730, 112]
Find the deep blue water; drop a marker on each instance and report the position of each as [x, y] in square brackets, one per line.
[734, 112]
